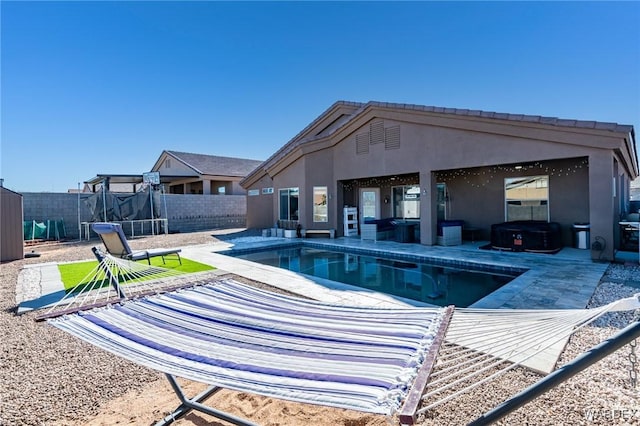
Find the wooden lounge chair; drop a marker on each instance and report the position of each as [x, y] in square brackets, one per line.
[115, 242]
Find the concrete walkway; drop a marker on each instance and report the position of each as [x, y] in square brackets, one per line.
[39, 285]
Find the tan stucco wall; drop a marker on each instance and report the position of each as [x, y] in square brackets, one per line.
[320, 176]
[261, 205]
[292, 177]
[176, 168]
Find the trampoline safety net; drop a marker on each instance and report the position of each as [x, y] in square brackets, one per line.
[45, 230]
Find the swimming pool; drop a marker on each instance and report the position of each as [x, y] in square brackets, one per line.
[415, 279]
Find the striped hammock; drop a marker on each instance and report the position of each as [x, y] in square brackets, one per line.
[242, 338]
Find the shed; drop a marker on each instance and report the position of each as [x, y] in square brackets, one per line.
[11, 234]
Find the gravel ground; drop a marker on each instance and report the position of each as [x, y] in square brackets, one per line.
[48, 377]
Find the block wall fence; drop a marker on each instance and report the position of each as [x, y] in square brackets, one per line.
[185, 212]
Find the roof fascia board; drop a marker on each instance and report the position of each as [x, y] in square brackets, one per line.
[163, 157]
[628, 160]
[276, 168]
[327, 117]
[222, 177]
[101, 177]
[5, 189]
[184, 162]
[630, 145]
[323, 120]
[159, 161]
[253, 178]
[623, 161]
[184, 179]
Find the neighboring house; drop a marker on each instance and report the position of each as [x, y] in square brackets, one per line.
[203, 174]
[11, 229]
[427, 164]
[185, 173]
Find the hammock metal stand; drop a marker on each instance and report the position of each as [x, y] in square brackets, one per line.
[189, 404]
[564, 373]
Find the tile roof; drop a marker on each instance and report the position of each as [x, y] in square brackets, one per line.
[216, 165]
[553, 121]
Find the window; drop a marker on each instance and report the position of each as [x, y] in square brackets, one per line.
[320, 204]
[289, 203]
[167, 163]
[267, 190]
[406, 201]
[222, 190]
[527, 198]
[253, 192]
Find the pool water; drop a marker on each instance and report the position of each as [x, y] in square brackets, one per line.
[424, 282]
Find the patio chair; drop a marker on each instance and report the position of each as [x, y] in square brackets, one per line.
[115, 242]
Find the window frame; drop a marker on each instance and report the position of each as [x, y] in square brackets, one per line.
[538, 182]
[291, 193]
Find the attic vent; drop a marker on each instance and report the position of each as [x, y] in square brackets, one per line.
[362, 143]
[392, 137]
[167, 163]
[377, 132]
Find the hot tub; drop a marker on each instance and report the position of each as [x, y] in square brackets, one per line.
[527, 235]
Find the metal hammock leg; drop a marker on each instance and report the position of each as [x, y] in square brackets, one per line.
[195, 403]
[595, 354]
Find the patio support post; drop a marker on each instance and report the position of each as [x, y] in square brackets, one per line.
[166, 215]
[601, 203]
[153, 232]
[428, 208]
[207, 187]
[104, 199]
[79, 223]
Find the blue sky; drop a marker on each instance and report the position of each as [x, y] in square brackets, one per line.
[103, 87]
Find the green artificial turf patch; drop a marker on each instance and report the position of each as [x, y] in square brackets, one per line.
[73, 274]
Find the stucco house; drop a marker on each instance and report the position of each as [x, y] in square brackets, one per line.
[185, 173]
[189, 173]
[425, 164]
